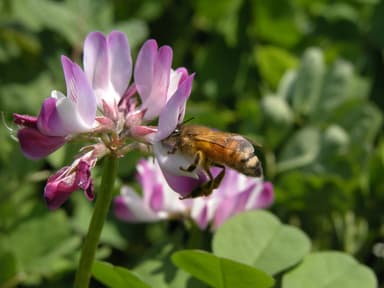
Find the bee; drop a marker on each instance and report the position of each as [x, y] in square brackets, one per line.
[209, 147]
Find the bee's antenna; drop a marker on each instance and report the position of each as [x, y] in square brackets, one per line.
[189, 119]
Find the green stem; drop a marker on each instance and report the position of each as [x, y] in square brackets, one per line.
[103, 202]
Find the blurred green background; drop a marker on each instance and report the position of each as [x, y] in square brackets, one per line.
[303, 78]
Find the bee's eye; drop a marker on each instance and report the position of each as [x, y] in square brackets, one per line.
[176, 132]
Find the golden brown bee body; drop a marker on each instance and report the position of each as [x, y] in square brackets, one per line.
[210, 147]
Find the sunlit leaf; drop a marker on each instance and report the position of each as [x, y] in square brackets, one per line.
[8, 268]
[49, 248]
[310, 74]
[258, 238]
[53, 15]
[278, 119]
[136, 31]
[220, 272]
[376, 32]
[273, 62]
[116, 277]
[329, 270]
[340, 85]
[219, 15]
[159, 271]
[300, 150]
[272, 21]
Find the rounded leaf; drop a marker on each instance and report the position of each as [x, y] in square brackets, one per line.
[220, 272]
[259, 239]
[115, 276]
[330, 270]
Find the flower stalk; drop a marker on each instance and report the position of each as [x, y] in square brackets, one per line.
[103, 202]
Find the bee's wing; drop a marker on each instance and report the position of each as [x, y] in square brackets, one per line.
[223, 140]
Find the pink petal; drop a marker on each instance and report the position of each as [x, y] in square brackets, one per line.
[156, 202]
[131, 208]
[122, 210]
[250, 198]
[67, 180]
[170, 115]
[83, 179]
[152, 73]
[146, 177]
[162, 71]
[36, 145]
[233, 204]
[144, 69]
[265, 196]
[224, 210]
[48, 121]
[80, 92]
[58, 188]
[95, 60]
[183, 185]
[184, 74]
[120, 61]
[56, 197]
[202, 220]
[143, 132]
[25, 120]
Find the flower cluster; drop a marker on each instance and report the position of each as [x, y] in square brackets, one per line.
[158, 201]
[102, 107]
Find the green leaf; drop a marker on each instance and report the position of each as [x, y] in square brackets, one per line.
[26, 97]
[38, 14]
[272, 21]
[49, 249]
[273, 62]
[202, 114]
[300, 150]
[135, 29]
[308, 82]
[221, 16]
[220, 272]
[158, 271]
[330, 270]
[218, 76]
[8, 268]
[115, 276]
[287, 84]
[82, 216]
[362, 120]
[377, 24]
[258, 238]
[340, 85]
[278, 119]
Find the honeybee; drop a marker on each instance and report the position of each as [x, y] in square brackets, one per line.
[209, 147]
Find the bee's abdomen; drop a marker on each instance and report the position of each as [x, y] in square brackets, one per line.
[249, 165]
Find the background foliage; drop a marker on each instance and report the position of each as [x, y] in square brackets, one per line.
[304, 78]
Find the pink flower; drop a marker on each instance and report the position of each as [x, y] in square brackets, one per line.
[236, 193]
[101, 107]
[60, 116]
[162, 90]
[158, 201]
[69, 179]
[108, 69]
[108, 66]
[164, 93]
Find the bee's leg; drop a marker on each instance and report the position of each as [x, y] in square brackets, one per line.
[199, 156]
[207, 188]
[217, 180]
[213, 183]
[172, 150]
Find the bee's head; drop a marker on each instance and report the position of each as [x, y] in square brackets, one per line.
[176, 132]
[173, 139]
